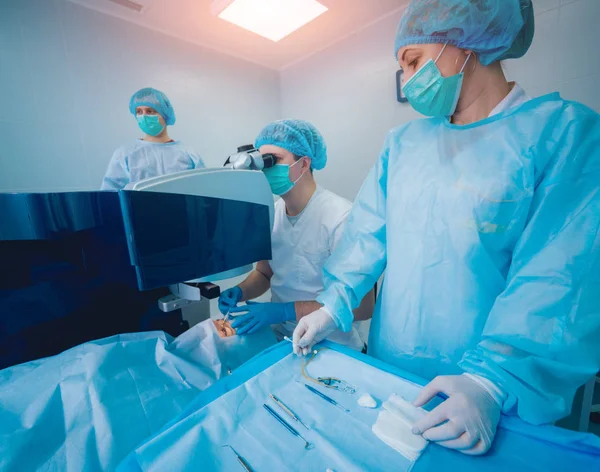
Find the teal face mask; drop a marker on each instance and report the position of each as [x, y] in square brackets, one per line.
[432, 94]
[149, 124]
[279, 178]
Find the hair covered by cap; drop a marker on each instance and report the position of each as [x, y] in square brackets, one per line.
[298, 137]
[494, 29]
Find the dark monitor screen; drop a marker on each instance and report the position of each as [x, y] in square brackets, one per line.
[174, 238]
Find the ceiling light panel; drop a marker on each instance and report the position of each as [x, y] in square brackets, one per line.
[272, 19]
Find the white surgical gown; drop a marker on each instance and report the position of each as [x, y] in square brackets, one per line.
[144, 159]
[489, 237]
[299, 252]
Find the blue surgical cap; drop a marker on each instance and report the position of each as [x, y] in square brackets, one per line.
[494, 29]
[149, 97]
[298, 137]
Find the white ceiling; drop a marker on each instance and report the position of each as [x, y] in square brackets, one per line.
[191, 20]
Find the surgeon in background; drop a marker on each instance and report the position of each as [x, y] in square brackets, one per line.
[309, 221]
[485, 217]
[156, 153]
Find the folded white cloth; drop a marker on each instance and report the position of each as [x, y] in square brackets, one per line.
[394, 427]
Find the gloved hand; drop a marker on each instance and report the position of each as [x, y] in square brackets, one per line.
[229, 299]
[466, 421]
[311, 330]
[261, 315]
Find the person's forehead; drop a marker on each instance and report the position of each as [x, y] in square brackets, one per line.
[418, 48]
[144, 107]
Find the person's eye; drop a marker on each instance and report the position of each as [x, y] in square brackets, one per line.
[413, 63]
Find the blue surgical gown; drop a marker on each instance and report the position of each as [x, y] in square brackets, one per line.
[144, 159]
[488, 237]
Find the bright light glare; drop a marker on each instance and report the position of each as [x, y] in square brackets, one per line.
[272, 19]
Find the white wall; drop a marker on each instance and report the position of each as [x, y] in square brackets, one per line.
[348, 90]
[564, 56]
[66, 76]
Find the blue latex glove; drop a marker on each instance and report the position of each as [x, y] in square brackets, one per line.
[261, 315]
[466, 421]
[229, 299]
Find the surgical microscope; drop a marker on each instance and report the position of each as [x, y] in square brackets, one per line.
[79, 266]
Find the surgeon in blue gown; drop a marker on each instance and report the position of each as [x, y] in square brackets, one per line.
[485, 219]
[156, 153]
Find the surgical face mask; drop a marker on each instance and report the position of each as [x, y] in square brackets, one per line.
[279, 178]
[432, 94]
[150, 124]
